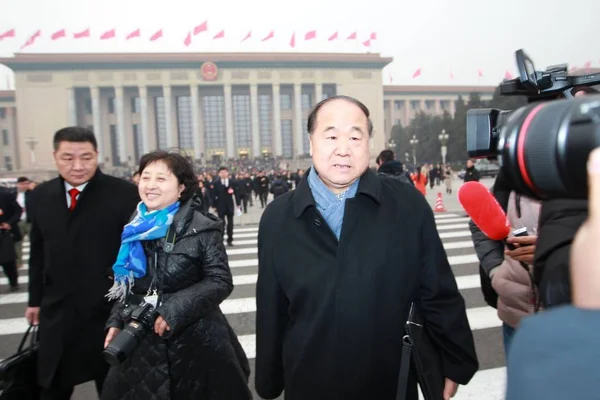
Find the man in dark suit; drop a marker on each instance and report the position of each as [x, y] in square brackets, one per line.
[223, 195]
[77, 220]
[10, 213]
[22, 196]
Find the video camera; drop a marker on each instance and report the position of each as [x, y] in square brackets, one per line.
[542, 147]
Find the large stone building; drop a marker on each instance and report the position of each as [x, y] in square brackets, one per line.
[214, 106]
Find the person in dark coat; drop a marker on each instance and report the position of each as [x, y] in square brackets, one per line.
[471, 173]
[338, 270]
[224, 194]
[10, 215]
[191, 352]
[77, 219]
[392, 168]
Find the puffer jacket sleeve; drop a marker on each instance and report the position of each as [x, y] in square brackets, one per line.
[187, 306]
[115, 320]
[489, 252]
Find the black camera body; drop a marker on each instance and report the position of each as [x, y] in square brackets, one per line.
[141, 321]
[543, 147]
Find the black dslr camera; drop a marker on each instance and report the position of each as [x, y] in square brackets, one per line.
[543, 147]
[122, 346]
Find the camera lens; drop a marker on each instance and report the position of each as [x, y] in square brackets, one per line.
[123, 345]
[546, 146]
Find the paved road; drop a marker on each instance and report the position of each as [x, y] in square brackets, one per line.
[488, 384]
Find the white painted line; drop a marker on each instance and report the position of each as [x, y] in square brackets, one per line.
[248, 343]
[240, 230]
[237, 252]
[458, 245]
[452, 226]
[245, 279]
[245, 242]
[468, 282]
[14, 298]
[245, 236]
[464, 259]
[447, 235]
[22, 280]
[483, 318]
[489, 384]
[451, 220]
[442, 216]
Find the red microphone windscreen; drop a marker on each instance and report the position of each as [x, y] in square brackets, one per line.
[484, 210]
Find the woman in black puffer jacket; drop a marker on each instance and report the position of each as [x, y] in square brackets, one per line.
[190, 352]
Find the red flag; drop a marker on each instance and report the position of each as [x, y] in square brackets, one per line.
[269, 36]
[573, 69]
[8, 34]
[108, 35]
[310, 35]
[203, 27]
[507, 75]
[588, 66]
[417, 73]
[59, 34]
[352, 36]
[293, 40]
[248, 36]
[367, 43]
[219, 35]
[480, 73]
[133, 34]
[373, 36]
[188, 39]
[31, 40]
[82, 34]
[333, 37]
[156, 36]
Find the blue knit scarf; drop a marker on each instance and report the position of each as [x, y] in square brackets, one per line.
[330, 205]
[131, 260]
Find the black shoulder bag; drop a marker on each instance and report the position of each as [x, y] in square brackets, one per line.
[18, 373]
[426, 360]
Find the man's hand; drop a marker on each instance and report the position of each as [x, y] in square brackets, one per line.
[32, 315]
[112, 332]
[450, 389]
[585, 252]
[524, 248]
[6, 226]
[160, 326]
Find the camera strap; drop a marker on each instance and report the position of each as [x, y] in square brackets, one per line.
[154, 294]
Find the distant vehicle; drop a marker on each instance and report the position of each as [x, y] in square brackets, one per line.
[486, 168]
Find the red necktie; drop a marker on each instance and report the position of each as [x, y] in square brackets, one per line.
[73, 193]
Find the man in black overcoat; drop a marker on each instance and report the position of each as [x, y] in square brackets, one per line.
[341, 258]
[10, 214]
[224, 193]
[77, 220]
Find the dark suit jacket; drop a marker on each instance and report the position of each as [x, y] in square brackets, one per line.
[70, 272]
[222, 200]
[554, 355]
[11, 213]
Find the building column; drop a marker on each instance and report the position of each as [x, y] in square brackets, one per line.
[423, 108]
[95, 94]
[120, 111]
[318, 92]
[391, 116]
[168, 99]
[72, 105]
[407, 112]
[298, 132]
[438, 107]
[277, 139]
[452, 108]
[143, 94]
[197, 130]
[255, 125]
[229, 136]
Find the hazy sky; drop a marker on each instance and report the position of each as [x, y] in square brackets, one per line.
[440, 36]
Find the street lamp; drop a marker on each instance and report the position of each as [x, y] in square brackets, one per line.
[413, 142]
[392, 146]
[443, 140]
[31, 142]
[407, 158]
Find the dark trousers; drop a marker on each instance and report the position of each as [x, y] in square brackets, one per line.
[10, 270]
[244, 198]
[263, 198]
[62, 393]
[228, 223]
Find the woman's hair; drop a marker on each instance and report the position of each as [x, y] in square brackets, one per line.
[180, 166]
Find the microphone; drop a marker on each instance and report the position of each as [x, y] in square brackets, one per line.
[484, 210]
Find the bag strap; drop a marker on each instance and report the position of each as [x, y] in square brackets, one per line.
[33, 329]
[407, 348]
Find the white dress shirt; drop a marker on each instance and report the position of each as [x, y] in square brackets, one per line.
[21, 201]
[69, 187]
